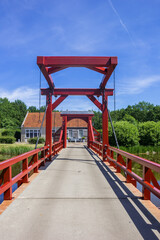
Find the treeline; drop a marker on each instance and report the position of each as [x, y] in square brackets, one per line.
[12, 113]
[141, 112]
[137, 124]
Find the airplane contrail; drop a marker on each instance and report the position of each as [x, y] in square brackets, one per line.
[121, 22]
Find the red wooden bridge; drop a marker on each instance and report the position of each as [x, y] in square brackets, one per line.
[79, 192]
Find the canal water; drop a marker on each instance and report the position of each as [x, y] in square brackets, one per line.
[14, 187]
[155, 200]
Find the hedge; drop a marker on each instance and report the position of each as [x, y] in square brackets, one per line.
[127, 134]
[149, 133]
[7, 140]
[8, 132]
[12, 133]
[34, 140]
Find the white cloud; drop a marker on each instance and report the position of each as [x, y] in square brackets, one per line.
[136, 85]
[31, 98]
[28, 95]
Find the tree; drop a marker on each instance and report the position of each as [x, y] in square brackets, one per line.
[127, 134]
[129, 119]
[148, 133]
[32, 109]
[97, 120]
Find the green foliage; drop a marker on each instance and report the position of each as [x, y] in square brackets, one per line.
[8, 132]
[142, 112]
[34, 140]
[11, 113]
[127, 134]
[97, 120]
[12, 133]
[32, 109]
[149, 133]
[129, 119]
[15, 150]
[7, 139]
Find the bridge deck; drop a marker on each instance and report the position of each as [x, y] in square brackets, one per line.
[77, 197]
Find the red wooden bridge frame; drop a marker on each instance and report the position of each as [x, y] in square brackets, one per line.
[103, 65]
[117, 158]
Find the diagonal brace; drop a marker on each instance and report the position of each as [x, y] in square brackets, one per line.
[95, 101]
[55, 69]
[106, 77]
[98, 69]
[58, 101]
[44, 70]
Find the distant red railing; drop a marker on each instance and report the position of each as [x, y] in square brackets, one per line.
[148, 181]
[38, 158]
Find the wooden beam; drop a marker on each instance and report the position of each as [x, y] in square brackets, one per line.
[44, 70]
[76, 61]
[76, 91]
[95, 101]
[58, 101]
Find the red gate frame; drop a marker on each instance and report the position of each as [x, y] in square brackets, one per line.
[103, 65]
[87, 117]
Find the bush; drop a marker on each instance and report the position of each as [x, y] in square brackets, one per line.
[7, 140]
[129, 119]
[127, 134]
[34, 140]
[8, 132]
[149, 133]
[12, 133]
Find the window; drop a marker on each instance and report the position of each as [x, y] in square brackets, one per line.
[30, 133]
[35, 133]
[53, 133]
[27, 133]
[80, 133]
[70, 133]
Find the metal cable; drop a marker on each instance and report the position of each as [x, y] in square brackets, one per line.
[41, 127]
[113, 128]
[40, 95]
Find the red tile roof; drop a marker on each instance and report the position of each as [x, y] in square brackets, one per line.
[34, 120]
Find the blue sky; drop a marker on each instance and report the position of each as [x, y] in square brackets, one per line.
[129, 29]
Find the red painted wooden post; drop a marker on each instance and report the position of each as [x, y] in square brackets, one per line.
[7, 179]
[146, 178]
[118, 161]
[35, 158]
[65, 131]
[88, 137]
[25, 167]
[129, 167]
[49, 124]
[112, 163]
[104, 123]
[43, 156]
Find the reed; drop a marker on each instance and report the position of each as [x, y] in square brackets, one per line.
[15, 150]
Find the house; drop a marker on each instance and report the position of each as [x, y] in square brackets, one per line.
[76, 128]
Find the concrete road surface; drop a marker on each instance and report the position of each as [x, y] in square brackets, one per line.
[77, 197]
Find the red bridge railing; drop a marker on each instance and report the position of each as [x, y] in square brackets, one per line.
[122, 160]
[31, 160]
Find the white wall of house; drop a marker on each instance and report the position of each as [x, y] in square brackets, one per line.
[75, 133]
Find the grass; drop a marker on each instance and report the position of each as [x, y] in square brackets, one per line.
[10, 150]
[1, 130]
[151, 153]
